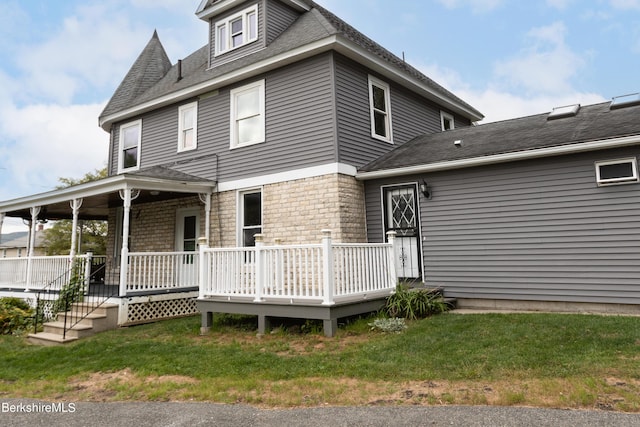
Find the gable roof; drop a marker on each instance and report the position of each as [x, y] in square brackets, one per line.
[593, 127]
[150, 66]
[315, 31]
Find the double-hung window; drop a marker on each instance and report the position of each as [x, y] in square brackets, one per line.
[188, 127]
[380, 107]
[247, 115]
[129, 155]
[237, 30]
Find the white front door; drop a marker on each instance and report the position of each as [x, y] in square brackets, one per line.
[401, 216]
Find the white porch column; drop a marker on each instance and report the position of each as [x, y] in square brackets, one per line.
[206, 199]
[327, 268]
[35, 211]
[203, 267]
[75, 207]
[127, 195]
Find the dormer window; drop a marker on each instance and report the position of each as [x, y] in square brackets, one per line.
[447, 121]
[237, 30]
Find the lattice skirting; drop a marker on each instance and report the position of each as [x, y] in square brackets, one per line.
[45, 305]
[151, 310]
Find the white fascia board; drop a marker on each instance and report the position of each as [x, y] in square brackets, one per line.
[218, 8]
[310, 172]
[268, 64]
[363, 56]
[104, 186]
[503, 158]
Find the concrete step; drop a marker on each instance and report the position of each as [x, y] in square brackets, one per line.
[77, 331]
[49, 339]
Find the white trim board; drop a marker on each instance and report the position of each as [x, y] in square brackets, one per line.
[310, 172]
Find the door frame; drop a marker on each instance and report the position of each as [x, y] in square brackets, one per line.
[179, 227]
[383, 203]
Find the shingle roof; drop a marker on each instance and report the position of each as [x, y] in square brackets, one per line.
[317, 24]
[150, 66]
[162, 172]
[591, 123]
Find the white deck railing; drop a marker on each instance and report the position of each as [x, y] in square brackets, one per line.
[325, 272]
[34, 273]
[160, 271]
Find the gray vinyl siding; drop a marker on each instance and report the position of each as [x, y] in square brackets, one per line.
[299, 112]
[241, 51]
[535, 230]
[278, 18]
[411, 115]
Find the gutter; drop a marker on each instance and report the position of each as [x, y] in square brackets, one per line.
[502, 158]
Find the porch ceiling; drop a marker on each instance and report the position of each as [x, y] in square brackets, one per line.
[99, 196]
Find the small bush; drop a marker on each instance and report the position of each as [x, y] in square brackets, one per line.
[395, 324]
[414, 303]
[15, 316]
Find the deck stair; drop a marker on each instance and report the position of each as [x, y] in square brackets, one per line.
[101, 319]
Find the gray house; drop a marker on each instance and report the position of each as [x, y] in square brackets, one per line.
[535, 212]
[259, 132]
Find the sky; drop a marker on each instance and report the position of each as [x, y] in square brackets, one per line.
[60, 61]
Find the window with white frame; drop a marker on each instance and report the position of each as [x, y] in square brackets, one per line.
[247, 115]
[188, 127]
[380, 107]
[129, 155]
[237, 30]
[621, 171]
[250, 216]
[446, 120]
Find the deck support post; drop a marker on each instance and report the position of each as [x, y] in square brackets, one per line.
[207, 322]
[327, 268]
[264, 324]
[259, 267]
[330, 327]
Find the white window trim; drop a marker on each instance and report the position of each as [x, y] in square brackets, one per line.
[387, 99]
[181, 109]
[446, 116]
[617, 181]
[121, 167]
[240, 212]
[245, 29]
[232, 121]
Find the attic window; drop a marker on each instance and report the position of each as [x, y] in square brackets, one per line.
[622, 171]
[237, 30]
[447, 121]
[625, 101]
[566, 111]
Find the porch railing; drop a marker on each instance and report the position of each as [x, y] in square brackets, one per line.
[160, 271]
[33, 273]
[324, 273]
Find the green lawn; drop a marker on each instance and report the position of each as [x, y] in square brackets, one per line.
[554, 360]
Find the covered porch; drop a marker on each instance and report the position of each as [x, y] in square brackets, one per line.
[154, 284]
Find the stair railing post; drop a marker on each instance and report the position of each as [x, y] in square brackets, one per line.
[87, 270]
[327, 268]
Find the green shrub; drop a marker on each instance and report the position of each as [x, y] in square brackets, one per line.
[15, 316]
[72, 291]
[414, 303]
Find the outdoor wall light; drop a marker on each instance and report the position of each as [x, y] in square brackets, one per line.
[425, 189]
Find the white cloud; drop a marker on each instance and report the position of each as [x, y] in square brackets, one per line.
[477, 6]
[626, 4]
[48, 141]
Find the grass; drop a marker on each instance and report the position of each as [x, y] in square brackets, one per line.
[548, 360]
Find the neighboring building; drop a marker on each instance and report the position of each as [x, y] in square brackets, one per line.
[17, 245]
